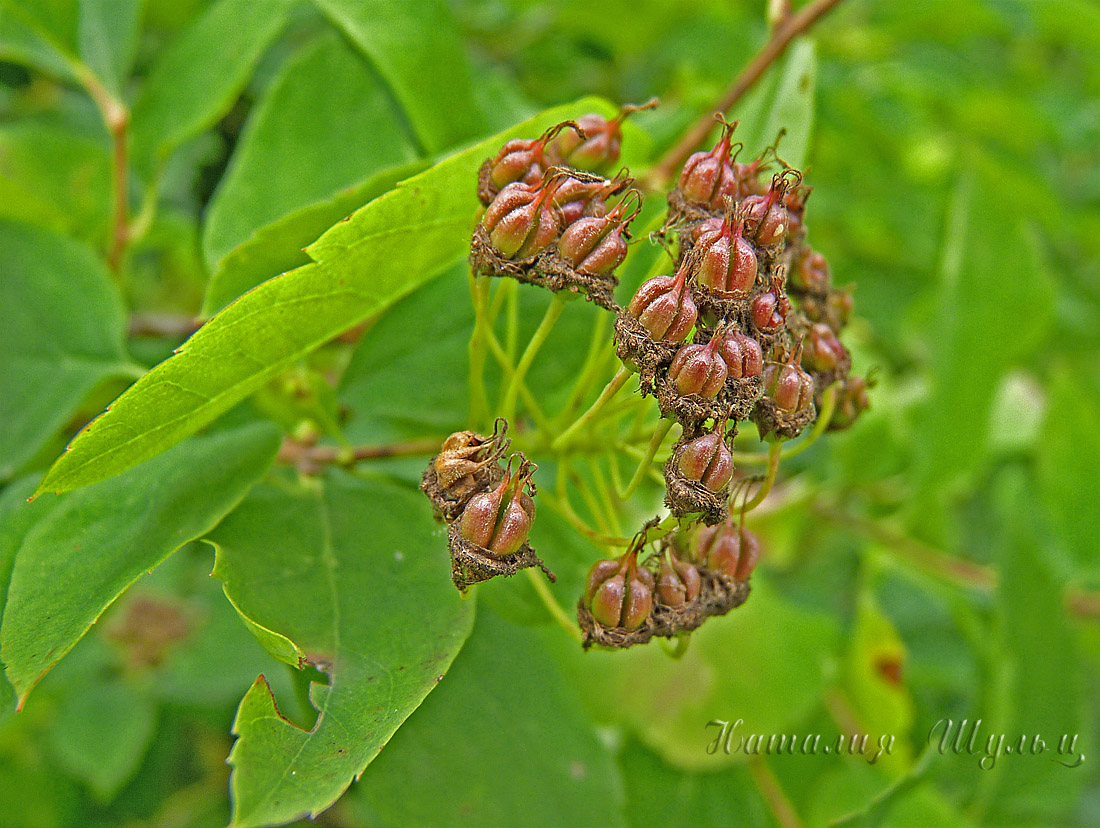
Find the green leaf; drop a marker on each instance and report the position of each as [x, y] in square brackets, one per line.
[279, 246]
[63, 335]
[355, 572]
[55, 178]
[766, 664]
[417, 49]
[195, 80]
[1037, 689]
[20, 43]
[989, 264]
[503, 692]
[324, 123]
[76, 554]
[107, 35]
[362, 265]
[100, 35]
[1069, 456]
[101, 733]
[659, 795]
[792, 108]
[12, 500]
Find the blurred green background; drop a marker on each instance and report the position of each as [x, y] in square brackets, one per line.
[937, 561]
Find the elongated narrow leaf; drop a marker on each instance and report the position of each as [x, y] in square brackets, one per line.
[62, 335]
[417, 49]
[76, 554]
[106, 36]
[196, 79]
[324, 123]
[480, 778]
[278, 247]
[356, 574]
[783, 102]
[362, 265]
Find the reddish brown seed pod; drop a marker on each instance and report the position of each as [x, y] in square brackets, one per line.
[811, 274]
[522, 220]
[769, 309]
[699, 369]
[708, 177]
[729, 549]
[787, 385]
[500, 520]
[707, 460]
[766, 219]
[523, 159]
[597, 244]
[824, 351]
[678, 581]
[741, 353]
[664, 306]
[600, 145]
[619, 592]
[726, 262]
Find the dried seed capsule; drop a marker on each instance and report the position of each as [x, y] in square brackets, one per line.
[766, 219]
[678, 582]
[727, 262]
[852, 400]
[708, 177]
[699, 369]
[824, 352]
[769, 309]
[466, 464]
[585, 194]
[731, 550]
[598, 148]
[619, 593]
[597, 244]
[707, 460]
[664, 307]
[742, 354]
[521, 220]
[787, 385]
[499, 521]
[521, 159]
[811, 274]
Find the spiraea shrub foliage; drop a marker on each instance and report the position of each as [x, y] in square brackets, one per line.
[589, 414]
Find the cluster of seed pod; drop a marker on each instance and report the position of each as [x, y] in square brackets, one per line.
[549, 217]
[488, 508]
[628, 601]
[721, 341]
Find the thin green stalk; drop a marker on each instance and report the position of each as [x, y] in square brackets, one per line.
[828, 406]
[590, 501]
[604, 492]
[598, 349]
[549, 319]
[609, 391]
[479, 397]
[529, 400]
[774, 450]
[552, 606]
[511, 330]
[646, 465]
[676, 648]
[638, 454]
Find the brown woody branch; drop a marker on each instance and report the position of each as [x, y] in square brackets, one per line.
[787, 28]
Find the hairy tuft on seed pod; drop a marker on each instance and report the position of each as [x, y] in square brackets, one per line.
[466, 464]
[489, 538]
